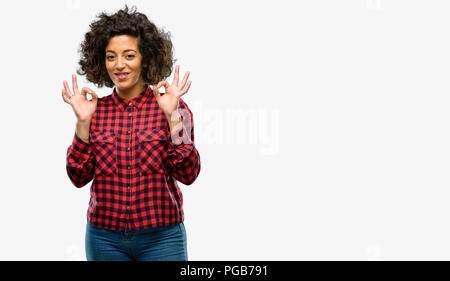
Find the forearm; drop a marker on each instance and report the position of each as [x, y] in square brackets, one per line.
[174, 121]
[184, 163]
[182, 156]
[82, 130]
[80, 162]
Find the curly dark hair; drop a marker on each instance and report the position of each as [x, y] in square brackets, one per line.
[155, 46]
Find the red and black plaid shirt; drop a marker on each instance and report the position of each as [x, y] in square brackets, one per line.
[135, 162]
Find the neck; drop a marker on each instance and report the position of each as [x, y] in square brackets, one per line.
[131, 93]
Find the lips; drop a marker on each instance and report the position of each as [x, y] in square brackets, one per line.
[122, 75]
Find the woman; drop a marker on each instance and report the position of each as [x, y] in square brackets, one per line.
[136, 143]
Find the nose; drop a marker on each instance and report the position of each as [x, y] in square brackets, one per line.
[120, 63]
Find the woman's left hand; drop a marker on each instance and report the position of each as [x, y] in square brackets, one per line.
[169, 101]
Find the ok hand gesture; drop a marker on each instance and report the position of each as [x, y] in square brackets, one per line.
[169, 101]
[83, 108]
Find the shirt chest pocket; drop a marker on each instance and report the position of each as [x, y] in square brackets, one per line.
[104, 145]
[152, 151]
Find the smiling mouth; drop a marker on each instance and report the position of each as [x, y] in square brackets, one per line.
[122, 76]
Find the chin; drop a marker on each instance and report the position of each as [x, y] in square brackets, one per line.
[123, 85]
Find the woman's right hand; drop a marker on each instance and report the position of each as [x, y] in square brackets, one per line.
[84, 109]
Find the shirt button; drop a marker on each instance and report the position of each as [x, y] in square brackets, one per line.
[129, 132]
[130, 103]
[128, 167]
[128, 148]
[128, 207]
[129, 114]
[128, 187]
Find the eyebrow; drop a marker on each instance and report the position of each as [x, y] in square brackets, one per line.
[127, 50]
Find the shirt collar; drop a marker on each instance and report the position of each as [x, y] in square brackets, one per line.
[137, 101]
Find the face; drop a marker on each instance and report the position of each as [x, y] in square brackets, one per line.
[124, 61]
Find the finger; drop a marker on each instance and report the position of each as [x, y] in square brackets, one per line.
[176, 75]
[74, 84]
[164, 83]
[155, 91]
[183, 83]
[64, 96]
[66, 87]
[86, 91]
[94, 96]
[186, 89]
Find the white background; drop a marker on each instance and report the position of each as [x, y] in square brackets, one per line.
[355, 163]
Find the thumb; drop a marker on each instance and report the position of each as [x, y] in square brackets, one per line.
[85, 91]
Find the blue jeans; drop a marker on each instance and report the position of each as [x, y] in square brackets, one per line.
[164, 243]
